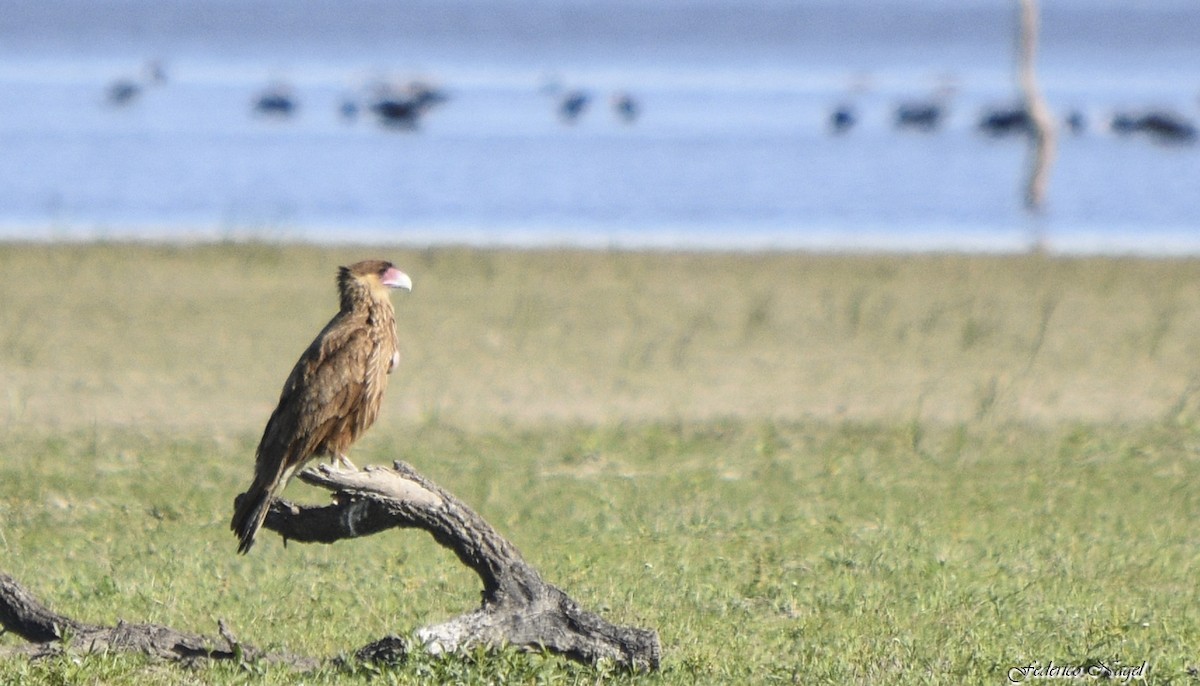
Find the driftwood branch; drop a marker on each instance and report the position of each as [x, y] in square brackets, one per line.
[50, 633]
[519, 608]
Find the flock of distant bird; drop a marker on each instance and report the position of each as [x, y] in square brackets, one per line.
[403, 107]
[400, 107]
[393, 106]
[573, 103]
[1160, 125]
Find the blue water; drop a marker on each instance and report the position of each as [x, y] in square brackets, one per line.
[732, 147]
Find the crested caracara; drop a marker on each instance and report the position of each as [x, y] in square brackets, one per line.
[333, 393]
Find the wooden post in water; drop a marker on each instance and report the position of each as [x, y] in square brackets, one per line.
[1042, 133]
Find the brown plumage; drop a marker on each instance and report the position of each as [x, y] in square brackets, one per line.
[333, 393]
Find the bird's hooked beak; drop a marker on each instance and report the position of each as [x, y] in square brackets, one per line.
[394, 278]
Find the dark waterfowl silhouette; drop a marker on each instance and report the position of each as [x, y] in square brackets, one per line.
[403, 107]
[927, 114]
[842, 119]
[1076, 122]
[572, 105]
[1160, 125]
[397, 112]
[278, 101]
[123, 92]
[844, 115]
[919, 115]
[625, 107]
[1004, 121]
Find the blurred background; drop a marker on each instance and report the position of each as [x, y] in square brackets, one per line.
[827, 124]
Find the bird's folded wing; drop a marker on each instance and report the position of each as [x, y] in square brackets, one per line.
[325, 386]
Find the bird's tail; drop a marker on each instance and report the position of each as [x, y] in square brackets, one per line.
[250, 512]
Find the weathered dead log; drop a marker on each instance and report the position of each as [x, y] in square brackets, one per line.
[50, 633]
[519, 608]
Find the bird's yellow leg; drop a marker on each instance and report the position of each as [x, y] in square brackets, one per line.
[344, 462]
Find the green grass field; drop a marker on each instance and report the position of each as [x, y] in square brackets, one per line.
[797, 468]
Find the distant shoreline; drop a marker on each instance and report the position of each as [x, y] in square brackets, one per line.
[1182, 242]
